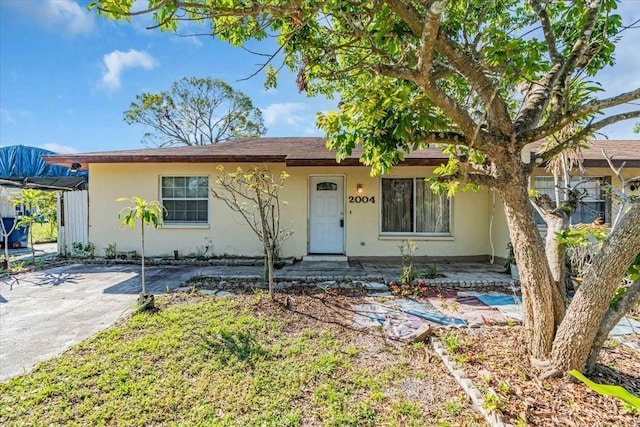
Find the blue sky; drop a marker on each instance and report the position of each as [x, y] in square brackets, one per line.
[67, 76]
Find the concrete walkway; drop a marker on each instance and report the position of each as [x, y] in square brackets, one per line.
[41, 251]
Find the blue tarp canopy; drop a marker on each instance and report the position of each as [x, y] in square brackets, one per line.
[23, 166]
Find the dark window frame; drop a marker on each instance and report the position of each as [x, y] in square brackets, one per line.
[186, 199]
[590, 207]
[413, 225]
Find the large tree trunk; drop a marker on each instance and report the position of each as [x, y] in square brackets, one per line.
[541, 301]
[577, 334]
[611, 319]
[556, 255]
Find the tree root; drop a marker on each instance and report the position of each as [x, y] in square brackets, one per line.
[539, 364]
[146, 303]
[546, 369]
[551, 373]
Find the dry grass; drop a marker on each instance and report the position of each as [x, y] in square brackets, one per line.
[495, 358]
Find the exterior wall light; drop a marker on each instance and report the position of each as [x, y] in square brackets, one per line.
[75, 167]
[359, 188]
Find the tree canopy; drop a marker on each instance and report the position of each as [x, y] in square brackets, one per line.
[195, 111]
[484, 79]
[491, 75]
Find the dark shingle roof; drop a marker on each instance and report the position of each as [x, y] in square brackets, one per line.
[617, 150]
[292, 151]
[304, 152]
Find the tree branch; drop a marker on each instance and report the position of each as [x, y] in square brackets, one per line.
[547, 31]
[428, 37]
[452, 109]
[593, 127]
[497, 109]
[462, 63]
[621, 193]
[553, 126]
[398, 72]
[465, 176]
[408, 14]
[537, 98]
[581, 45]
[444, 138]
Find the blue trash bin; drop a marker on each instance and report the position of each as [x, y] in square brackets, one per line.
[18, 237]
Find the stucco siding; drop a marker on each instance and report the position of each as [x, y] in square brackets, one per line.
[226, 233]
[478, 224]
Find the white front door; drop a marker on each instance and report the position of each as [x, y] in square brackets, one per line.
[326, 215]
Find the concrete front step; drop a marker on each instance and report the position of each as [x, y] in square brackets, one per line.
[325, 258]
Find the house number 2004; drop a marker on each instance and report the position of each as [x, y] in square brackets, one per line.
[362, 199]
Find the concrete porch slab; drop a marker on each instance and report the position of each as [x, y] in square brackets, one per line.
[325, 258]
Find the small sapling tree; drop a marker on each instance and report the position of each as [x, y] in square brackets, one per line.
[32, 202]
[148, 213]
[254, 194]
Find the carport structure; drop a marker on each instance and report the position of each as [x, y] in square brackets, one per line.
[22, 167]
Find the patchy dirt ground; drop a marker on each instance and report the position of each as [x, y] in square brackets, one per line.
[495, 358]
[443, 401]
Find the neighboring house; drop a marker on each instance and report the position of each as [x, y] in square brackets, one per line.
[333, 208]
[594, 185]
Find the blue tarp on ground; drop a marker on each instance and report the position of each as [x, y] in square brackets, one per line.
[400, 318]
[24, 165]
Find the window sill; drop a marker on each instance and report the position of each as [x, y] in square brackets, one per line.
[419, 237]
[185, 225]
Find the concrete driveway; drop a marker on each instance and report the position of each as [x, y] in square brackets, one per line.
[44, 313]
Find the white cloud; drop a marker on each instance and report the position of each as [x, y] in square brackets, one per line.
[13, 116]
[6, 116]
[118, 61]
[56, 15]
[290, 113]
[58, 148]
[290, 118]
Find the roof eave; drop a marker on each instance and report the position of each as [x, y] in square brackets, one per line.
[84, 160]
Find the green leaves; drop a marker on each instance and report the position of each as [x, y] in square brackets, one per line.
[608, 390]
[148, 213]
[388, 117]
[584, 236]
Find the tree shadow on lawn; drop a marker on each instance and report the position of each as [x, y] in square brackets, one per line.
[229, 346]
[158, 280]
[335, 310]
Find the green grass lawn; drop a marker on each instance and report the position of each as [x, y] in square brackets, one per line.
[44, 233]
[237, 361]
